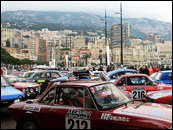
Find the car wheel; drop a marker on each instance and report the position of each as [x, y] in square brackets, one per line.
[29, 123]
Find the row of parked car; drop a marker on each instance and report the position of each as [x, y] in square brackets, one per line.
[123, 100]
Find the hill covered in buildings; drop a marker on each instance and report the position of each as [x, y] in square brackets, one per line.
[79, 21]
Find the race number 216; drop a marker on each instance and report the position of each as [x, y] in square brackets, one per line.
[138, 94]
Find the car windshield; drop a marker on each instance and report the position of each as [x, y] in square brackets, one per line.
[4, 83]
[61, 74]
[13, 79]
[27, 74]
[108, 96]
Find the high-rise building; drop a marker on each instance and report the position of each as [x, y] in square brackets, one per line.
[42, 50]
[116, 35]
[154, 37]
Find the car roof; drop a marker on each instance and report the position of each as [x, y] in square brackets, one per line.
[47, 71]
[127, 75]
[10, 76]
[166, 71]
[122, 70]
[83, 83]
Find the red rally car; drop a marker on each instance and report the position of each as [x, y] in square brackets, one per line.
[164, 96]
[139, 85]
[89, 105]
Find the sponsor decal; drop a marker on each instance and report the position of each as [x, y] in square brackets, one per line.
[79, 114]
[32, 108]
[40, 81]
[119, 118]
[107, 116]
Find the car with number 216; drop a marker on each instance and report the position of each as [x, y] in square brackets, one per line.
[139, 85]
[89, 105]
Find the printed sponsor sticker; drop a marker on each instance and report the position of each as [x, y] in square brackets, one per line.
[107, 116]
[32, 108]
[79, 114]
[40, 81]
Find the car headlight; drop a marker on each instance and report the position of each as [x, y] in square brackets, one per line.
[37, 88]
[23, 90]
[27, 89]
[20, 97]
[28, 94]
[31, 90]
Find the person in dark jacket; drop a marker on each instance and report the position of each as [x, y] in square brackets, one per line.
[146, 71]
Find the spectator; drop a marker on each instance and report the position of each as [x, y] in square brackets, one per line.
[146, 71]
[162, 68]
[100, 69]
[150, 70]
[157, 68]
[141, 70]
[108, 68]
[2, 71]
[154, 69]
[94, 69]
[167, 67]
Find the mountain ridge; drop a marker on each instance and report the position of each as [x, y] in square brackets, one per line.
[84, 21]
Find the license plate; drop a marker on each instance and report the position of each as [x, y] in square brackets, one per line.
[138, 93]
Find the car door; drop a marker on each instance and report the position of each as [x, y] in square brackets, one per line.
[140, 85]
[66, 113]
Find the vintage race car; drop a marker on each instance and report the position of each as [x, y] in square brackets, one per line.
[9, 94]
[31, 90]
[139, 85]
[18, 74]
[162, 76]
[102, 75]
[163, 96]
[77, 75]
[43, 77]
[89, 105]
[116, 74]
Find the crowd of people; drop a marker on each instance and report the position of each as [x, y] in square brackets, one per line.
[148, 70]
[143, 69]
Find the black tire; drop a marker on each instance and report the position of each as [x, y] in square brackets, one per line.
[29, 123]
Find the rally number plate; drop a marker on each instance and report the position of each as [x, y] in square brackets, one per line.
[73, 123]
[138, 93]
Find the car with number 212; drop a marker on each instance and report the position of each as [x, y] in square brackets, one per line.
[89, 105]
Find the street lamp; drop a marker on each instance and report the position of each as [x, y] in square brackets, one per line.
[121, 33]
[106, 46]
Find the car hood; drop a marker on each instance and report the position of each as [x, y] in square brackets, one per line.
[25, 85]
[8, 93]
[149, 113]
[166, 86]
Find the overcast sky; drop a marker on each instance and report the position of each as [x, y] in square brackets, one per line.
[159, 10]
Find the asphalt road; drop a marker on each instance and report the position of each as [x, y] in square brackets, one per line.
[7, 122]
